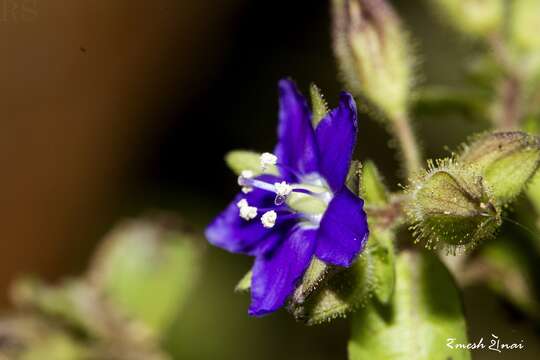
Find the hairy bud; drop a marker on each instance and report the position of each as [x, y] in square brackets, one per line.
[473, 17]
[451, 205]
[506, 160]
[372, 52]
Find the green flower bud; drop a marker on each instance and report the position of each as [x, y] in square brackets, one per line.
[473, 17]
[451, 205]
[506, 160]
[372, 52]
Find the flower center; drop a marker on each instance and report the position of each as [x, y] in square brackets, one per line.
[306, 200]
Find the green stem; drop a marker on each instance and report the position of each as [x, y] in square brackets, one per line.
[407, 142]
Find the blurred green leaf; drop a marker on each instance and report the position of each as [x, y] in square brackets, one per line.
[507, 267]
[29, 337]
[240, 160]
[531, 124]
[147, 268]
[73, 302]
[54, 346]
[475, 18]
[425, 312]
[439, 100]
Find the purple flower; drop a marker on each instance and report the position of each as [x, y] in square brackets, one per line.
[305, 211]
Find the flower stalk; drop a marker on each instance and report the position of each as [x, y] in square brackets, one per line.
[403, 132]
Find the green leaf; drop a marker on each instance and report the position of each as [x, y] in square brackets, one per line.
[318, 105]
[424, 314]
[373, 189]
[239, 160]
[147, 268]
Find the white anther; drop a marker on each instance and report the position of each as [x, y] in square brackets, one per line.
[247, 174]
[242, 203]
[248, 212]
[268, 159]
[283, 189]
[269, 219]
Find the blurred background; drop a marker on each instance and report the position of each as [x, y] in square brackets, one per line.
[111, 108]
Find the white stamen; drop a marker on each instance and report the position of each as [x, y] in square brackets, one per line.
[247, 174]
[248, 212]
[242, 203]
[268, 159]
[269, 219]
[283, 189]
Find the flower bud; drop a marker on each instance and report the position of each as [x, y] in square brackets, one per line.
[372, 52]
[506, 160]
[473, 17]
[452, 205]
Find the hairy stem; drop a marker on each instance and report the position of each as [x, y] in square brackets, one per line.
[407, 142]
[509, 94]
[509, 104]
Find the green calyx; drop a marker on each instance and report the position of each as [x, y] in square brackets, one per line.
[452, 206]
[506, 160]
